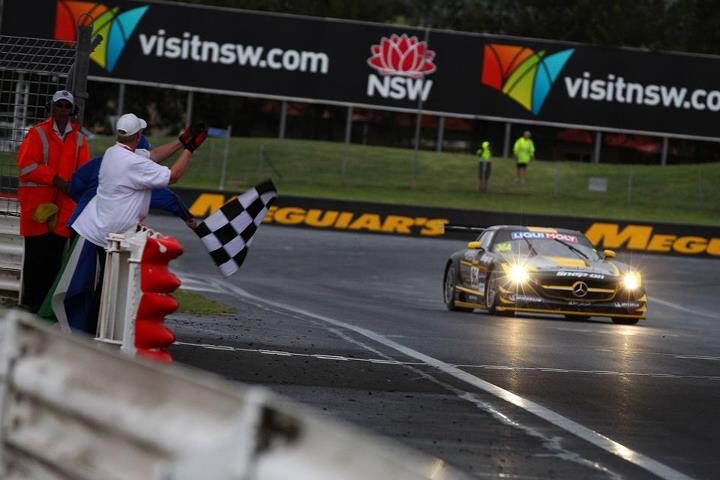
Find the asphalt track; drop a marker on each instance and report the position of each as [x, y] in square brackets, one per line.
[354, 326]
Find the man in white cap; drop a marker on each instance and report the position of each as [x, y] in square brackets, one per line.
[126, 181]
[47, 159]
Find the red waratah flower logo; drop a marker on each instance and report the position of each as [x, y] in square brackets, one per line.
[402, 55]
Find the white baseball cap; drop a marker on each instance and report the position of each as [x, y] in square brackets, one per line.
[130, 124]
[63, 95]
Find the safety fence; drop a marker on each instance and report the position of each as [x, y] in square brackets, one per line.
[31, 70]
[73, 410]
[683, 194]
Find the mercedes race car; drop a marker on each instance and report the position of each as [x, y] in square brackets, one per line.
[510, 269]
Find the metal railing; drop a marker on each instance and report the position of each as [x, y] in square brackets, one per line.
[31, 70]
[681, 193]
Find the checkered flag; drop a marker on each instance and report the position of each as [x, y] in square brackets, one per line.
[228, 233]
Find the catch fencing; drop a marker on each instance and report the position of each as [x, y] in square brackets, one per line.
[31, 70]
[683, 194]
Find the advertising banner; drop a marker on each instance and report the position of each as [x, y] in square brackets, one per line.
[406, 220]
[386, 66]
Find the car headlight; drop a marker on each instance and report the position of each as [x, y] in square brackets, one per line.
[631, 281]
[518, 274]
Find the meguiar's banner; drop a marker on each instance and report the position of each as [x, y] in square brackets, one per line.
[340, 215]
[293, 57]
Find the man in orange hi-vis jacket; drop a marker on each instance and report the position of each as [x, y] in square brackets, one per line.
[48, 156]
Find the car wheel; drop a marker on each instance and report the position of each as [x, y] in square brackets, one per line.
[491, 293]
[449, 292]
[624, 321]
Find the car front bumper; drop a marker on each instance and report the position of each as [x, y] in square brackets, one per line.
[623, 306]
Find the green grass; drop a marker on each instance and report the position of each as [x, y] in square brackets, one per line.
[194, 304]
[684, 194]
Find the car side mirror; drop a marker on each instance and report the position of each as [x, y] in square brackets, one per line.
[474, 246]
[609, 253]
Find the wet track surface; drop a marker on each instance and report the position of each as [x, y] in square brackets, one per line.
[354, 326]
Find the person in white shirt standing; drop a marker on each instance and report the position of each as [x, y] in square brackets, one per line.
[123, 200]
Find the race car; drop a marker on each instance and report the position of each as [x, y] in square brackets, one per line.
[510, 269]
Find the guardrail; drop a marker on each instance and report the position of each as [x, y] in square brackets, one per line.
[72, 409]
[12, 250]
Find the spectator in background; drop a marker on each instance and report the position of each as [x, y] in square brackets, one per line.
[484, 165]
[524, 151]
[47, 159]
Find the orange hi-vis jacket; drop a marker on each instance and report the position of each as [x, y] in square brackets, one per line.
[43, 155]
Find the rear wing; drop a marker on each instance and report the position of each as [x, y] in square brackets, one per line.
[463, 228]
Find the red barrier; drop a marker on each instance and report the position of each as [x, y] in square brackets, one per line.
[157, 282]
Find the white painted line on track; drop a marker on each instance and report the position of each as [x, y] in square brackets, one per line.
[615, 330]
[653, 466]
[684, 309]
[699, 357]
[280, 353]
[553, 444]
[340, 358]
[687, 356]
[195, 286]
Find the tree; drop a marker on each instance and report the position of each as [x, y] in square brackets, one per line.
[674, 25]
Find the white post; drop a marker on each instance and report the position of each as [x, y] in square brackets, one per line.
[121, 99]
[441, 134]
[190, 103]
[418, 121]
[664, 154]
[598, 145]
[506, 143]
[121, 287]
[19, 109]
[348, 124]
[228, 132]
[283, 119]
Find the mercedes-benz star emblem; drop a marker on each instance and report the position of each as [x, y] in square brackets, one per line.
[580, 289]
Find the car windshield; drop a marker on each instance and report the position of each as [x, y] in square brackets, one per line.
[551, 244]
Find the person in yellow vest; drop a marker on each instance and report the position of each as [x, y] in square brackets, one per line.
[524, 150]
[484, 165]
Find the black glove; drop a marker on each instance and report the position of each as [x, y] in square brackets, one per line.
[61, 184]
[192, 137]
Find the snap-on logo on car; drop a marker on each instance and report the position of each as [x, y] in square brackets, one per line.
[402, 62]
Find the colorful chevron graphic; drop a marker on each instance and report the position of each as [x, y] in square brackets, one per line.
[522, 74]
[115, 27]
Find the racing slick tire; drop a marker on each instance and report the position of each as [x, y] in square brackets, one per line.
[450, 294]
[624, 321]
[491, 293]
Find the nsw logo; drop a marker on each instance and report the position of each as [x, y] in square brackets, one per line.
[114, 26]
[522, 74]
[402, 63]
